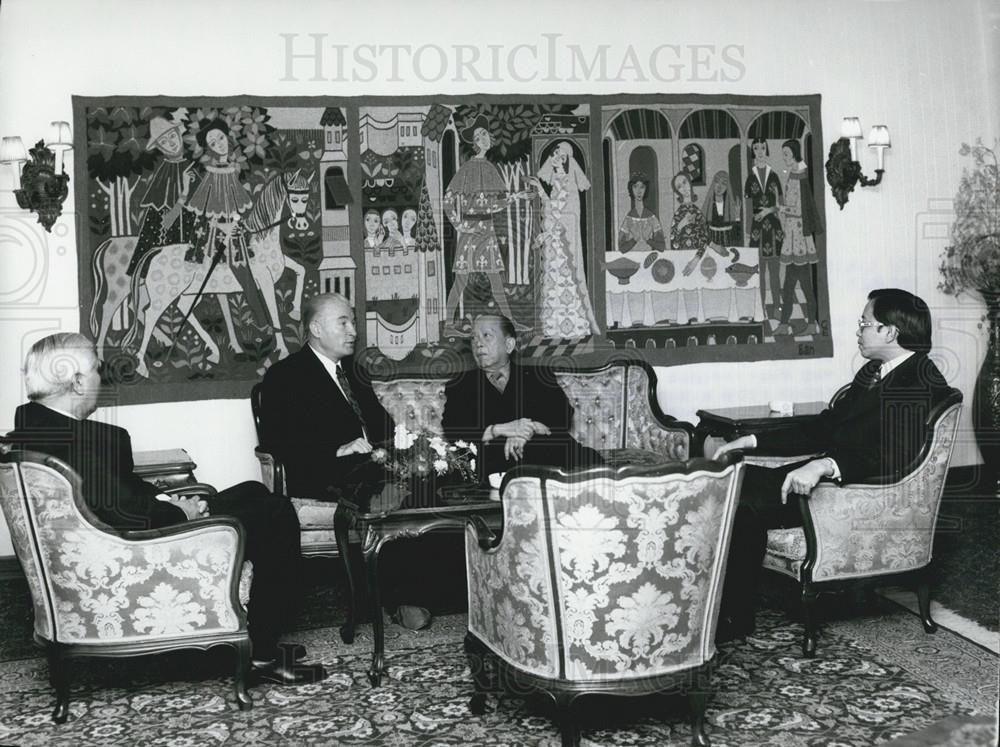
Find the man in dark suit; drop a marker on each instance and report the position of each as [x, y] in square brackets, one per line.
[319, 414]
[320, 417]
[514, 413]
[877, 428]
[63, 383]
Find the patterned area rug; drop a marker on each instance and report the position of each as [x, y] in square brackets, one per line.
[877, 678]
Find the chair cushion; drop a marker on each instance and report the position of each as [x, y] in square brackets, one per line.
[787, 543]
[314, 514]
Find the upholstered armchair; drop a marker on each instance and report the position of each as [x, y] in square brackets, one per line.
[880, 528]
[603, 581]
[101, 592]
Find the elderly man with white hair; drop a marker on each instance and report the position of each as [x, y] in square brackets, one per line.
[63, 382]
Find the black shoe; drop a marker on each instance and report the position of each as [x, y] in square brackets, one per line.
[276, 672]
[296, 651]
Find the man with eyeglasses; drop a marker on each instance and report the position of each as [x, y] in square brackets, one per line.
[876, 428]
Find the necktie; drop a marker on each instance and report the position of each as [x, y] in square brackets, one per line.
[499, 380]
[345, 386]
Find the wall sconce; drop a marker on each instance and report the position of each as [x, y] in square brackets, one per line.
[42, 185]
[843, 171]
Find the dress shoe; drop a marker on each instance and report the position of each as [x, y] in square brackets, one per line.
[410, 617]
[296, 651]
[278, 673]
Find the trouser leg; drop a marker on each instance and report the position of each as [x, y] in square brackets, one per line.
[273, 546]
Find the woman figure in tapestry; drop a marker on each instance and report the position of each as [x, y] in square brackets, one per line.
[374, 231]
[722, 213]
[409, 222]
[475, 193]
[640, 228]
[688, 229]
[393, 238]
[800, 222]
[564, 309]
[763, 193]
[164, 220]
[218, 203]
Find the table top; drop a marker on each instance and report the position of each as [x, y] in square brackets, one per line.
[162, 461]
[450, 500]
[746, 413]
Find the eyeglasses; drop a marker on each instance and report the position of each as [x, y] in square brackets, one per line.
[862, 323]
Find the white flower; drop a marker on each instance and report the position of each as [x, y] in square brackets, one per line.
[439, 446]
[462, 444]
[475, 450]
[472, 463]
[440, 466]
[403, 439]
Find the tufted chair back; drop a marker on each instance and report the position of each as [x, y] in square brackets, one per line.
[605, 576]
[100, 592]
[614, 407]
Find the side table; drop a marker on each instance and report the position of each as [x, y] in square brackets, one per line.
[166, 468]
[454, 509]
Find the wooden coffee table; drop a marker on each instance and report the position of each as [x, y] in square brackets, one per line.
[452, 507]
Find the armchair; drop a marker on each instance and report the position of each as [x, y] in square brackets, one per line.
[101, 592]
[603, 581]
[882, 527]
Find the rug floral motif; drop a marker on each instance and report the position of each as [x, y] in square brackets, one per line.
[876, 678]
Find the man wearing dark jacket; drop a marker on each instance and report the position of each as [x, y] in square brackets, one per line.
[514, 413]
[63, 383]
[876, 428]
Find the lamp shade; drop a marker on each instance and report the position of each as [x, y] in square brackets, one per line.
[60, 134]
[879, 137]
[12, 150]
[850, 128]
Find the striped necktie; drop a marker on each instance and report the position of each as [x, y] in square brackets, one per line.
[345, 387]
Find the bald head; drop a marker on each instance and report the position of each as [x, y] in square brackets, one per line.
[329, 324]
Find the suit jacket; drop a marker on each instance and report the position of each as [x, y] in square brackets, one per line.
[473, 403]
[305, 418]
[875, 429]
[102, 455]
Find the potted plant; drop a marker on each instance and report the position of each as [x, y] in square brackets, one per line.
[972, 263]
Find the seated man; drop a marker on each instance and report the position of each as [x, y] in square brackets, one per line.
[515, 413]
[320, 417]
[62, 380]
[877, 428]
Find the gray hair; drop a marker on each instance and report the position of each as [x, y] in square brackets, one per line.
[53, 361]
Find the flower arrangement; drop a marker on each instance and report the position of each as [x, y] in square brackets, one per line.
[972, 261]
[420, 454]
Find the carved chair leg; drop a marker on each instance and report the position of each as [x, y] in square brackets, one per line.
[479, 663]
[243, 699]
[924, 600]
[809, 596]
[698, 697]
[569, 729]
[59, 679]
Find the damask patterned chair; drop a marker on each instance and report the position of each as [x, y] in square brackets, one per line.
[603, 581]
[877, 529]
[100, 592]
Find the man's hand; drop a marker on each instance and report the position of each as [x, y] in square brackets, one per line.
[804, 479]
[737, 444]
[540, 429]
[357, 446]
[521, 428]
[193, 508]
[513, 448]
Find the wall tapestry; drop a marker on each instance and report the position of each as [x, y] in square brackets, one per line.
[688, 228]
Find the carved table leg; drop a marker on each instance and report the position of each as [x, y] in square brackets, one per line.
[341, 525]
[372, 548]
